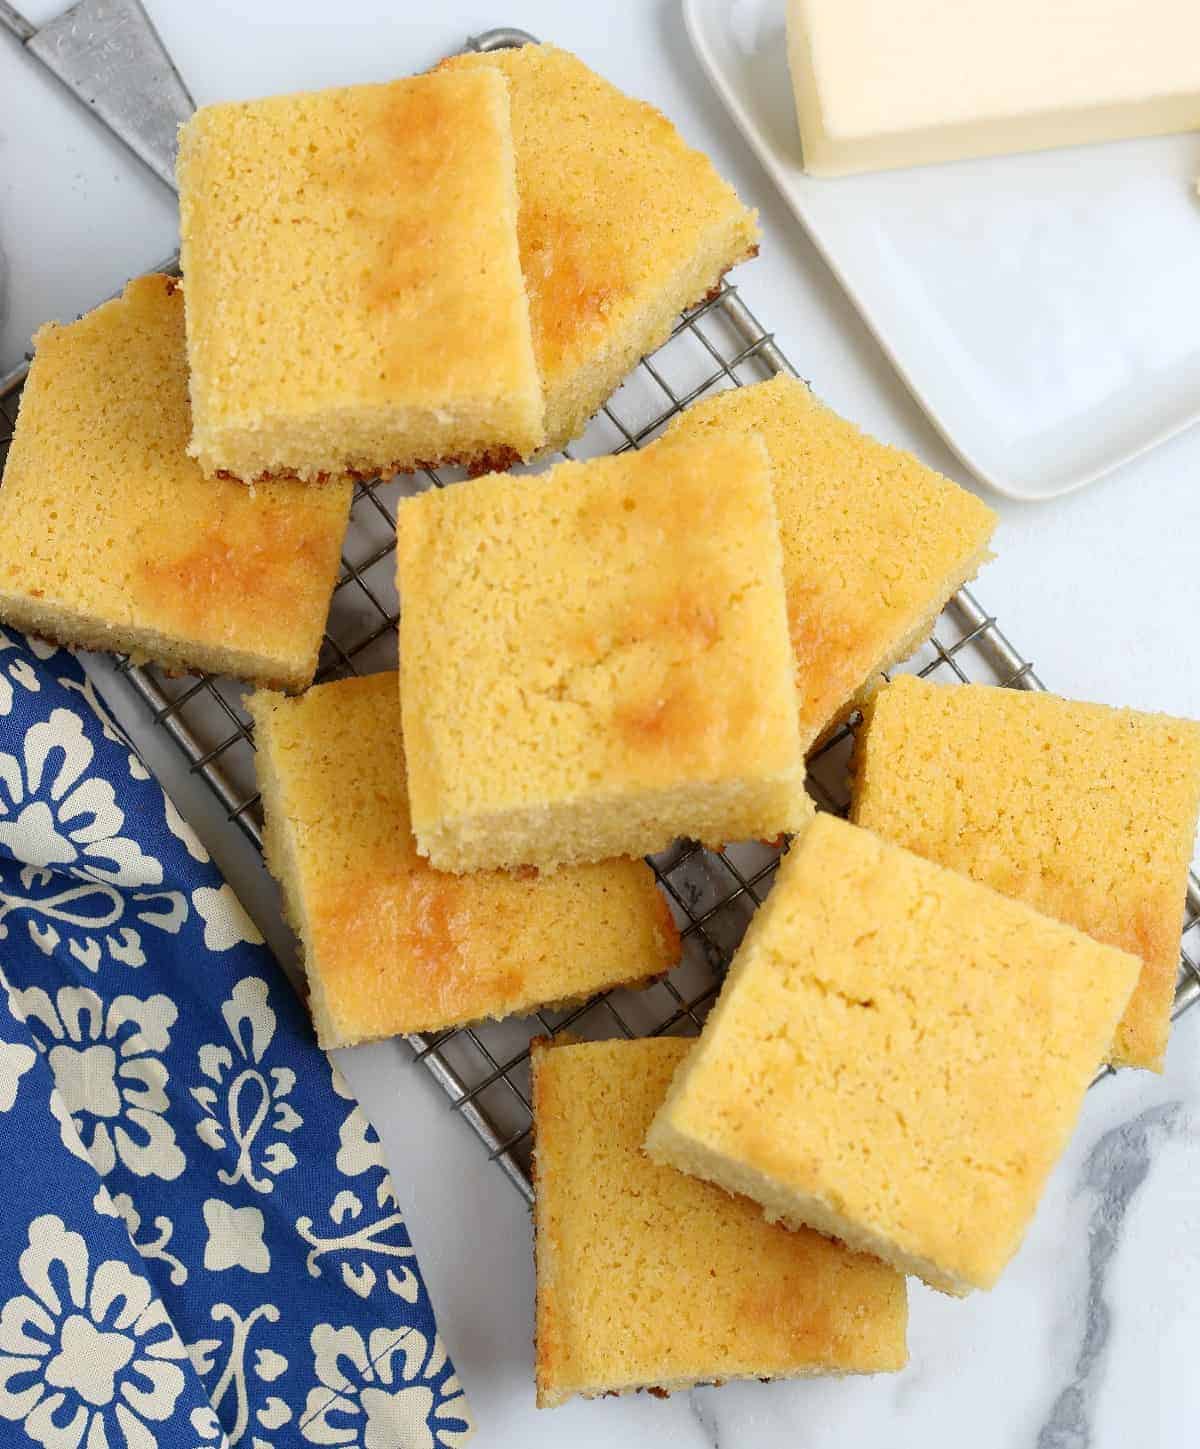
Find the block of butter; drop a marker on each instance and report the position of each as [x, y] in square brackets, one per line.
[888, 83]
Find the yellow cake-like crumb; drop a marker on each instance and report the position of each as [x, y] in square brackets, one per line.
[650, 1279]
[897, 1057]
[595, 661]
[112, 538]
[355, 301]
[390, 945]
[874, 542]
[622, 225]
[1086, 812]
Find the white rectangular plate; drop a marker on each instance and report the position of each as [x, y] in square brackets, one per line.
[1043, 309]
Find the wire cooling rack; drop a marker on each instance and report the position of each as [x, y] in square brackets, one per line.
[484, 1069]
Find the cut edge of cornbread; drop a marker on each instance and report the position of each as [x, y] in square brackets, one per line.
[476, 456]
[668, 1146]
[547, 1268]
[68, 628]
[713, 813]
[281, 854]
[788, 1203]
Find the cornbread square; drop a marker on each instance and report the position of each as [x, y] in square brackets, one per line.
[650, 1279]
[112, 538]
[596, 661]
[897, 1058]
[622, 225]
[389, 944]
[1086, 812]
[355, 302]
[874, 542]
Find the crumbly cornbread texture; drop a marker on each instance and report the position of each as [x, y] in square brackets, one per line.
[596, 661]
[1086, 812]
[874, 542]
[622, 226]
[647, 1278]
[897, 1057]
[355, 301]
[112, 538]
[389, 944]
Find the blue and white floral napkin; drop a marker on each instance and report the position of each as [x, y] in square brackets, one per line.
[199, 1241]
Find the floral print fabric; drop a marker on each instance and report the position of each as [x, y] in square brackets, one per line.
[200, 1242]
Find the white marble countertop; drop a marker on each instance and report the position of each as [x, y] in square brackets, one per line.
[1090, 1338]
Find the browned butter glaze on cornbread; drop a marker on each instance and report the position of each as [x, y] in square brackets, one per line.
[874, 542]
[647, 1278]
[110, 535]
[355, 300]
[391, 945]
[622, 225]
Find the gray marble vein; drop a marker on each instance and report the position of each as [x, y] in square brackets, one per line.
[1113, 1173]
[700, 1403]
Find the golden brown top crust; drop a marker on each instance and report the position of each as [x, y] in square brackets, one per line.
[353, 247]
[105, 514]
[570, 302]
[398, 945]
[431, 927]
[593, 636]
[904, 1046]
[646, 1276]
[264, 557]
[613, 202]
[873, 541]
[1086, 812]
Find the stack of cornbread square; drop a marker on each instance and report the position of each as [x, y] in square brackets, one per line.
[376, 278]
[460, 267]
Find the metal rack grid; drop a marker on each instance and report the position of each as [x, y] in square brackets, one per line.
[484, 1069]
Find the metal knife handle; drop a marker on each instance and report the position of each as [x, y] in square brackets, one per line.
[109, 55]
